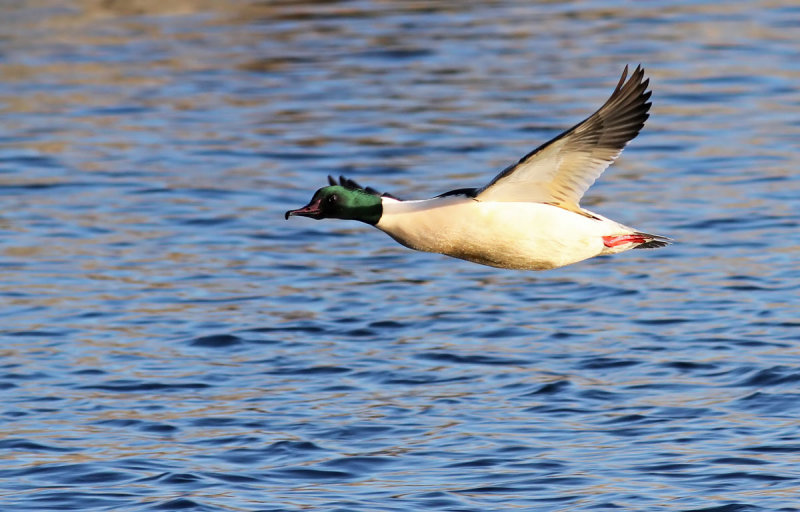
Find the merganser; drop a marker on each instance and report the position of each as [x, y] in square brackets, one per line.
[528, 217]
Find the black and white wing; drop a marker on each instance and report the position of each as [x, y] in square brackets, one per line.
[560, 171]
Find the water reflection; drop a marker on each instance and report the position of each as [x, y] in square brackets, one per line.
[169, 340]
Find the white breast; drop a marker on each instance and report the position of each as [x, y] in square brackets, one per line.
[519, 235]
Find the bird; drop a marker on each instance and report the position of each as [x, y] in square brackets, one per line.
[528, 217]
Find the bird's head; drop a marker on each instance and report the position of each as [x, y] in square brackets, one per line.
[339, 202]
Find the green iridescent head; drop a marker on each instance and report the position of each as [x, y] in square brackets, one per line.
[339, 202]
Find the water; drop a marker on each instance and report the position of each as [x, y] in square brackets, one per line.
[171, 343]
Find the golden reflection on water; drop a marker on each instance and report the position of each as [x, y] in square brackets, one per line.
[150, 149]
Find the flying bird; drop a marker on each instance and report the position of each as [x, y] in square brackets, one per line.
[528, 217]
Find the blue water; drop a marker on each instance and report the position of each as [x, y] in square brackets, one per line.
[169, 342]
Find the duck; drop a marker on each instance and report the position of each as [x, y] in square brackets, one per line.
[528, 217]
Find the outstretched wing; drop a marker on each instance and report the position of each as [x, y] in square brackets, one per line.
[560, 171]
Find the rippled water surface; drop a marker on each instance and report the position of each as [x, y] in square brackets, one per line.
[171, 343]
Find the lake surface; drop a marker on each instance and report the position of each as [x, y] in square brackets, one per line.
[171, 343]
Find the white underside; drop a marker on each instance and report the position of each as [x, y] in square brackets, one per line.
[517, 235]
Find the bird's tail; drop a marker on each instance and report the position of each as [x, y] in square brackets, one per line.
[642, 241]
[652, 241]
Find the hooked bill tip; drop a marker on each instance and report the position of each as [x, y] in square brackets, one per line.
[311, 210]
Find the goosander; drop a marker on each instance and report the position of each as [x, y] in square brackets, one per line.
[528, 217]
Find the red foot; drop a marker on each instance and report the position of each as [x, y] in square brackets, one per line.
[613, 241]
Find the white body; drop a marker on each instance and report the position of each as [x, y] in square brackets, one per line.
[517, 235]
